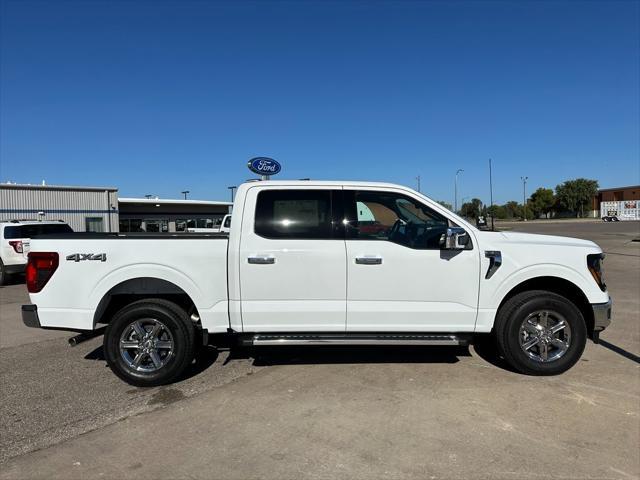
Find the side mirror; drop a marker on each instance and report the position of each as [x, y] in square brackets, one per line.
[455, 238]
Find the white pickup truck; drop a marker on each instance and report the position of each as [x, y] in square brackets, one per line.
[321, 263]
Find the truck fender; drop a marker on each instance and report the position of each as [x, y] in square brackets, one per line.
[538, 271]
[132, 272]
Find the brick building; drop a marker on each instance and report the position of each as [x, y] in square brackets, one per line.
[619, 194]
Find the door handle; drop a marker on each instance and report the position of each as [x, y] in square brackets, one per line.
[261, 260]
[369, 260]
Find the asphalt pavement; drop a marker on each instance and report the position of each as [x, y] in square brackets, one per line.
[393, 412]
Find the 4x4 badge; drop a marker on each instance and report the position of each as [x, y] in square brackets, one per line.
[78, 257]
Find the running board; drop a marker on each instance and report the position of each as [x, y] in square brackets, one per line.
[283, 339]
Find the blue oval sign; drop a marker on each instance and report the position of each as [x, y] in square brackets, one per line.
[264, 166]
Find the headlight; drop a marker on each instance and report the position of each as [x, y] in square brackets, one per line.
[594, 262]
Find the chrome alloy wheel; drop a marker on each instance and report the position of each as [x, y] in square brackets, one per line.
[146, 345]
[545, 336]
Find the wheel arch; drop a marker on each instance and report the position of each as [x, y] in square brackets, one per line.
[560, 286]
[133, 289]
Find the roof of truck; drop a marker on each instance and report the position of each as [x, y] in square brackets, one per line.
[327, 183]
[19, 222]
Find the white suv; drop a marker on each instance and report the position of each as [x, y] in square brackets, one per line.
[14, 242]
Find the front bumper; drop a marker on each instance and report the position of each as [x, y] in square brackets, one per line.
[30, 316]
[601, 315]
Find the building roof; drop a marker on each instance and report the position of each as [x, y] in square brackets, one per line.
[30, 186]
[631, 187]
[172, 201]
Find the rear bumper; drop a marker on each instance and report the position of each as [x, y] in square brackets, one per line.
[30, 316]
[601, 315]
[15, 268]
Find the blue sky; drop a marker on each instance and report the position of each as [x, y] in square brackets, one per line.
[159, 97]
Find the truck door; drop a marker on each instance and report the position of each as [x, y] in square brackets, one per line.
[293, 261]
[399, 279]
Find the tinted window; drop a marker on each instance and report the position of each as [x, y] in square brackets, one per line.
[227, 222]
[29, 231]
[93, 224]
[131, 225]
[394, 218]
[302, 214]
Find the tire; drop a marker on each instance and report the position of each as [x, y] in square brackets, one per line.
[3, 274]
[145, 359]
[526, 337]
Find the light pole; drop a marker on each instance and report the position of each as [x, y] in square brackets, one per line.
[232, 188]
[491, 194]
[184, 192]
[455, 199]
[418, 179]
[524, 197]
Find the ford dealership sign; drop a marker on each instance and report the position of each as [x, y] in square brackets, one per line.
[264, 166]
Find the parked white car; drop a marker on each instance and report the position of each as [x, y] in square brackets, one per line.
[322, 263]
[15, 236]
[225, 226]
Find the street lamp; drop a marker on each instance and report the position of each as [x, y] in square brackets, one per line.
[184, 192]
[232, 188]
[455, 199]
[524, 197]
[491, 194]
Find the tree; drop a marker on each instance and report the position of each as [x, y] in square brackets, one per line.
[445, 204]
[497, 211]
[513, 209]
[471, 209]
[574, 194]
[541, 202]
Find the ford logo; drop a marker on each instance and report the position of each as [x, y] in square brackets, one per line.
[264, 166]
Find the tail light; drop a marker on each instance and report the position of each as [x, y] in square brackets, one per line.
[17, 245]
[40, 268]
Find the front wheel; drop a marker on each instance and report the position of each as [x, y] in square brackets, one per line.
[149, 342]
[540, 333]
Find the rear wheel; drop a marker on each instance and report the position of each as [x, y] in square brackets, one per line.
[540, 333]
[149, 342]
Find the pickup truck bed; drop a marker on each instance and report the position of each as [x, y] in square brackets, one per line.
[165, 264]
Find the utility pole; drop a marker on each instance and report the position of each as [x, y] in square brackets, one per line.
[455, 199]
[524, 197]
[184, 192]
[232, 188]
[418, 179]
[491, 195]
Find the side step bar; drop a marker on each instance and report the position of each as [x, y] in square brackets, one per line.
[283, 339]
